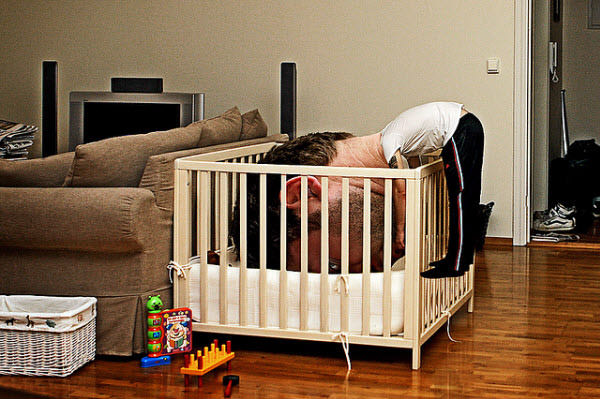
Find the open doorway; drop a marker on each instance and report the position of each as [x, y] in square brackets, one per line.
[565, 142]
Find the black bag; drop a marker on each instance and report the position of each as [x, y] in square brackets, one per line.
[575, 179]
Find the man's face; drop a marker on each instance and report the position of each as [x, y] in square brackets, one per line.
[355, 233]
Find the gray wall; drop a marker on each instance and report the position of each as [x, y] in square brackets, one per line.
[360, 63]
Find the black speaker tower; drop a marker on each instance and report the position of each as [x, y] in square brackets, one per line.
[49, 108]
[288, 99]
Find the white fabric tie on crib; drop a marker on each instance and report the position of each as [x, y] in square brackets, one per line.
[343, 279]
[345, 345]
[343, 336]
[447, 313]
[179, 269]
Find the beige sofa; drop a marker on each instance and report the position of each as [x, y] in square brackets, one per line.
[98, 221]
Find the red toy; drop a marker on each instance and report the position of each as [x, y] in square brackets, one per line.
[203, 363]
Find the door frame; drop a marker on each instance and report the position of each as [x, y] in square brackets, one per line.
[522, 121]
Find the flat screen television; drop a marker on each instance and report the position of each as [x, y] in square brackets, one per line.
[99, 115]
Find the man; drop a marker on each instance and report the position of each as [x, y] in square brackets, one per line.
[317, 149]
[417, 131]
[459, 134]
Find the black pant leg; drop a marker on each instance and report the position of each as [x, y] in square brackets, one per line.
[463, 161]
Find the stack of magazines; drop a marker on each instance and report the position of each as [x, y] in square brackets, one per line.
[15, 139]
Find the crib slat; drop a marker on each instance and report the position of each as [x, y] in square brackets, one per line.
[471, 287]
[235, 185]
[199, 193]
[412, 300]
[439, 214]
[283, 282]
[223, 240]
[447, 217]
[204, 216]
[182, 232]
[210, 193]
[430, 219]
[243, 249]
[446, 288]
[214, 215]
[344, 306]
[303, 253]
[366, 277]
[387, 260]
[263, 252]
[324, 297]
[428, 286]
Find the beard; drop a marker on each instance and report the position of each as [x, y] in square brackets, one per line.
[355, 219]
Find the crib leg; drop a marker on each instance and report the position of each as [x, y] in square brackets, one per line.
[416, 357]
[472, 285]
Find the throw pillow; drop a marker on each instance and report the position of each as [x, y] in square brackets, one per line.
[224, 128]
[253, 125]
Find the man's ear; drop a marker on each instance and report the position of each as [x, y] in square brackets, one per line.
[293, 191]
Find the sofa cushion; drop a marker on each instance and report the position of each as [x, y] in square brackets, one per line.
[253, 125]
[224, 128]
[120, 161]
[39, 172]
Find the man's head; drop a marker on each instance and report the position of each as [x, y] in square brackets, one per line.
[317, 149]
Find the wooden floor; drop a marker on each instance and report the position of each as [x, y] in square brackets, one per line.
[591, 232]
[535, 332]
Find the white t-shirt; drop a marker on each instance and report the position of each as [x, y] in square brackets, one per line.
[421, 129]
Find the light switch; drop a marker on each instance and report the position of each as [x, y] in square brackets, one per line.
[493, 65]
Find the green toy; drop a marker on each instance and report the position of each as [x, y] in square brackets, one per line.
[155, 333]
[154, 304]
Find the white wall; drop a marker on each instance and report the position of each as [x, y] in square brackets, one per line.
[359, 62]
[581, 76]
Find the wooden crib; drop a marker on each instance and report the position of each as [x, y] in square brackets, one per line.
[206, 188]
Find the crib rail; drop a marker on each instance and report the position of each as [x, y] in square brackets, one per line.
[207, 189]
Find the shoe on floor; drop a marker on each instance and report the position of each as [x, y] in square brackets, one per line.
[559, 209]
[556, 223]
[559, 218]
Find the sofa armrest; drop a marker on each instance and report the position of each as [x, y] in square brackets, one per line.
[39, 172]
[114, 220]
[159, 175]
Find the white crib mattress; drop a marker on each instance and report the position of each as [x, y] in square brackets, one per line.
[314, 297]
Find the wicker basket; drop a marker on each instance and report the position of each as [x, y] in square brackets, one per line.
[41, 343]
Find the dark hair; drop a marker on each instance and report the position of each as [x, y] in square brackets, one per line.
[315, 149]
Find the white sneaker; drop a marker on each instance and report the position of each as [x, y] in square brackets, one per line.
[556, 223]
[564, 211]
[558, 211]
